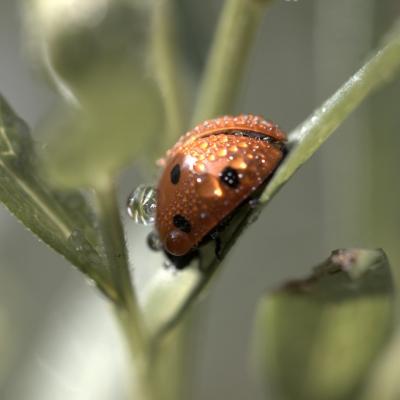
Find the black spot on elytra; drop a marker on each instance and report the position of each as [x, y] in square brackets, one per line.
[175, 174]
[182, 223]
[229, 177]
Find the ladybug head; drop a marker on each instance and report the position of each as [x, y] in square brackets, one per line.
[208, 174]
[177, 242]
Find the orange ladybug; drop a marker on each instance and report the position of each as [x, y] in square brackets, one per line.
[209, 173]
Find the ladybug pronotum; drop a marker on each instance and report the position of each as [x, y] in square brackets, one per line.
[210, 172]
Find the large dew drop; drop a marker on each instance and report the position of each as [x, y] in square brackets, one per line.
[141, 205]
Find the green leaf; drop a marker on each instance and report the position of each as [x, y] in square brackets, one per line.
[116, 125]
[63, 220]
[71, 39]
[317, 338]
[384, 382]
[167, 293]
[97, 56]
[171, 293]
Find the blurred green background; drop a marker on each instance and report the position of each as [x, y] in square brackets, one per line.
[57, 337]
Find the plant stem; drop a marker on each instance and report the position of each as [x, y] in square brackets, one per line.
[310, 135]
[142, 386]
[127, 309]
[228, 56]
[114, 240]
[167, 65]
[170, 370]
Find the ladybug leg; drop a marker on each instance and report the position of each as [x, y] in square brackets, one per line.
[254, 202]
[218, 248]
[218, 244]
[181, 262]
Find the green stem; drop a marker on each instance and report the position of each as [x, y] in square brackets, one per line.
[114, 239]
[127, 309]
[309, 136]
[228, 56]
[167, 65]
[170, 370]
[140, 362]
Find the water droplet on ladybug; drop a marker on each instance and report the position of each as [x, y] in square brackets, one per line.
[204, 215]
[222, 152]
[142, 205]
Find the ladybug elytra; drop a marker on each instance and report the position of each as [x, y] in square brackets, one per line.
[209, 173]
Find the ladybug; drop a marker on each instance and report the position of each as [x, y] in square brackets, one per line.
[211, 171]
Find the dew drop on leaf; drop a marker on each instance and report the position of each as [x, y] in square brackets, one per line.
[90, 282]
[141, 205]
[84, 250]
[75, 240]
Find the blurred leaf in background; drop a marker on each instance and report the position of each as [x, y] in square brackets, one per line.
[96, 53]
[6, 344]
[317, 338]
